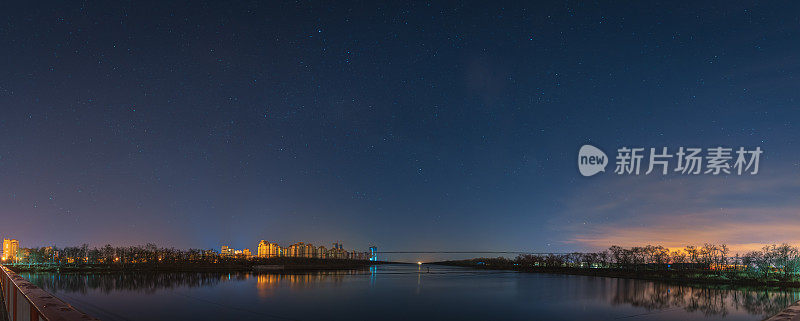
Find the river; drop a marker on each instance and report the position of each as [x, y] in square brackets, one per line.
[402, 292]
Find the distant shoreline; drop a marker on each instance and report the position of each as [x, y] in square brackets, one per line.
[259, 265]
[670, 276]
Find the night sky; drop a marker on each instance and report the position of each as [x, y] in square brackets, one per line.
[410, 126]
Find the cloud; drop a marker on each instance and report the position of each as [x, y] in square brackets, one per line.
[744, 212]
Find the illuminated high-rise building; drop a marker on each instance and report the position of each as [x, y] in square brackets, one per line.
[262, 248]
[296, 250]
[309, 250]
[273, 250]
[268, 249]
[290, 251]
[10, 250]
[226, 251]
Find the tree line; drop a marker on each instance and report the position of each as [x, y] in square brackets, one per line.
[115, 255]
[143, 255]
[772, 260]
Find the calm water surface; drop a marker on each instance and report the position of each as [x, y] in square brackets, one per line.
[402, 292]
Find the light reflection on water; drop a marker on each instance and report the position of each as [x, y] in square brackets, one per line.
[402, 292]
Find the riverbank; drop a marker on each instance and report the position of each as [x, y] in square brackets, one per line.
[688, 277]
[283, 264]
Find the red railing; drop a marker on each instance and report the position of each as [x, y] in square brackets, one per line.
[25, 301]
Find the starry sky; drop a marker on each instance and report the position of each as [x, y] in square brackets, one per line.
[406, 125]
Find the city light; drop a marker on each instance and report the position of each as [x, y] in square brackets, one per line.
[300, 249]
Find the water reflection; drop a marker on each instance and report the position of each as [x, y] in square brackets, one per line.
[267, 282]
[443, 292]
[150, 282]
[706, 299]
[133, 281]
